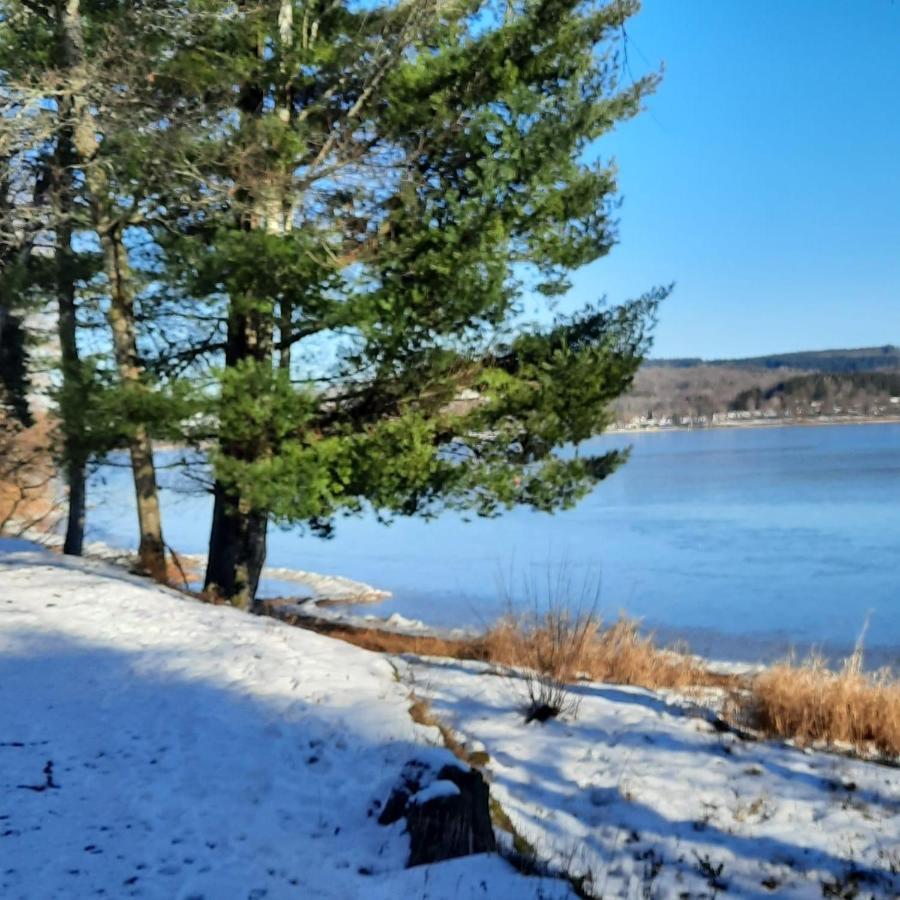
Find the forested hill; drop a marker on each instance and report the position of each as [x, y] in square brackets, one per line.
[861, 382]
[864, 359]
[832, 393]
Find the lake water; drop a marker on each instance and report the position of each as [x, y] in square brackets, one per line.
[746, 543]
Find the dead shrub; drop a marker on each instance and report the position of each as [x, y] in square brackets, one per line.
[548, 652]
[27, 497]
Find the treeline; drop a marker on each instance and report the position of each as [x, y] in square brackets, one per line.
[865, 359]
[294, 233]
[863, 391]
[692, 392]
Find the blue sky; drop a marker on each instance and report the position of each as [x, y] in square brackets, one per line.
[764, 178]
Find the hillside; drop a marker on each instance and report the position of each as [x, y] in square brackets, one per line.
[864, 359]
[791, 385]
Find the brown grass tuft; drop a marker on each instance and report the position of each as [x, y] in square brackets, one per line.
[807, 703]
[548, 652]
[570, 646]
[810, 703]
[567, 645]
[555, 643]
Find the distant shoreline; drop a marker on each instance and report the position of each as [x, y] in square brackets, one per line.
[760, 423]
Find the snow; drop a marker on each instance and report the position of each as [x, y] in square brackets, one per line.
[156, 747]
[274, 580]
[435, 791]
[334, 611]
[329, 587]
[153, 746]
[647, 799]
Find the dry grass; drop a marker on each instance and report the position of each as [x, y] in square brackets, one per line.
[548, 652]
[811, 703]
[420, 711]
[622, 654]
[380, 640]
[572, 645]
[807, 703]
[181, 570]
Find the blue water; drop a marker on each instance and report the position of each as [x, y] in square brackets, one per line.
[746, 543]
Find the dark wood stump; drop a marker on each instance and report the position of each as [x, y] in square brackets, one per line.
[447, 815]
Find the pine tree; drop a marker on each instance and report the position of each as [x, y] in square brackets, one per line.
[62, 106]
[373, 195]
[348, 219]
[16, 241]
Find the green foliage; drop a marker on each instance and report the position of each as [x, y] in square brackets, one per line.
[14, 368]
[462, 185]
[336, 230]
[104, 414]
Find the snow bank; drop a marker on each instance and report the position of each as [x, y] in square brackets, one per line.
[153, 746]
[648, 800]
[331, 588]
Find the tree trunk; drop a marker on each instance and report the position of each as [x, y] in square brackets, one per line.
[14, 380]
[237, 540]
[76, 479]
[237, 550]
[151, 551]
[117, 267]
[72, 398]
[13, 353]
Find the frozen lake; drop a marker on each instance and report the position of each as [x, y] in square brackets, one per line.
[743, 542]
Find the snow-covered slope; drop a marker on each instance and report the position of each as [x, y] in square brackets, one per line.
[649, 801]
[153, 746]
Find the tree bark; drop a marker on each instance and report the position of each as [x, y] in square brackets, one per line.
[237, 550]
[237, 540]
[151, 551]
[14, 249]
[72, 400]
[76, 478]
[109, 229]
